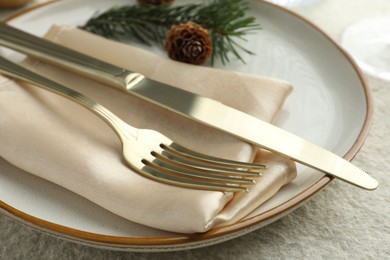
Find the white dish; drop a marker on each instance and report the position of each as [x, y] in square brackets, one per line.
[330, 106]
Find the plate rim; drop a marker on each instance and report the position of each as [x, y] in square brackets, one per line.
[220, 234]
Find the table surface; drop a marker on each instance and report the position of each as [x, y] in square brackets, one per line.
[340, 222]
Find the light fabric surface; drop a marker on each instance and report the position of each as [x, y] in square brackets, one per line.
[57, 140]
[340, 222]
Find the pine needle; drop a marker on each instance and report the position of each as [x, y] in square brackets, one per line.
[148, 24]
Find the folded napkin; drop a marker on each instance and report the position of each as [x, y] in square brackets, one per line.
[58, 140]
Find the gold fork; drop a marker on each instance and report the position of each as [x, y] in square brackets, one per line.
[150, 153]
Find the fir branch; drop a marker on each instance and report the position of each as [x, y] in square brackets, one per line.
[148, 24]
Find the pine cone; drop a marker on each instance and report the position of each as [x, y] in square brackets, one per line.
[155, 2]
[189, 43]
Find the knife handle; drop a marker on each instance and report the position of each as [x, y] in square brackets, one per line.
[43, 49]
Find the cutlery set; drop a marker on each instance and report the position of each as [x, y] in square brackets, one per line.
[157, 157]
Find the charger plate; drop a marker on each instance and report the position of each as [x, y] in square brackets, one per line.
[331, 106]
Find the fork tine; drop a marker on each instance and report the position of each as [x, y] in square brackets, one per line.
[182, 152]
[197, 173]
[160, 175]
[176, 165]
[208, 168]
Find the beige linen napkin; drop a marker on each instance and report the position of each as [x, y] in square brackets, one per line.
[55, 139]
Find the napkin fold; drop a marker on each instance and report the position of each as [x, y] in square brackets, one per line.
[58, 140]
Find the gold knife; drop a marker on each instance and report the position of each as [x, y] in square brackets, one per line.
[202, 109]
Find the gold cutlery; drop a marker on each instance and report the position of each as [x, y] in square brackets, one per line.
[150, 153]
[198, 108]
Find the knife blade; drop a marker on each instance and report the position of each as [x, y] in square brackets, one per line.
[199, 108]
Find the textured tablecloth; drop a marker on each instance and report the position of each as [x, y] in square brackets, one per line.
[340, 222]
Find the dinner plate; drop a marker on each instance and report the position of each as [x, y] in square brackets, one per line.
[330, 106]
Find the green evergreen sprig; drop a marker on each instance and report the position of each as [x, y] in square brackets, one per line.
[148, 24]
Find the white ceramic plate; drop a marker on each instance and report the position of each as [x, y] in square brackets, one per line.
[330, 106]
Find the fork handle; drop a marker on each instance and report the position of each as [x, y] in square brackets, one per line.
[43, 49]
[18, 72]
